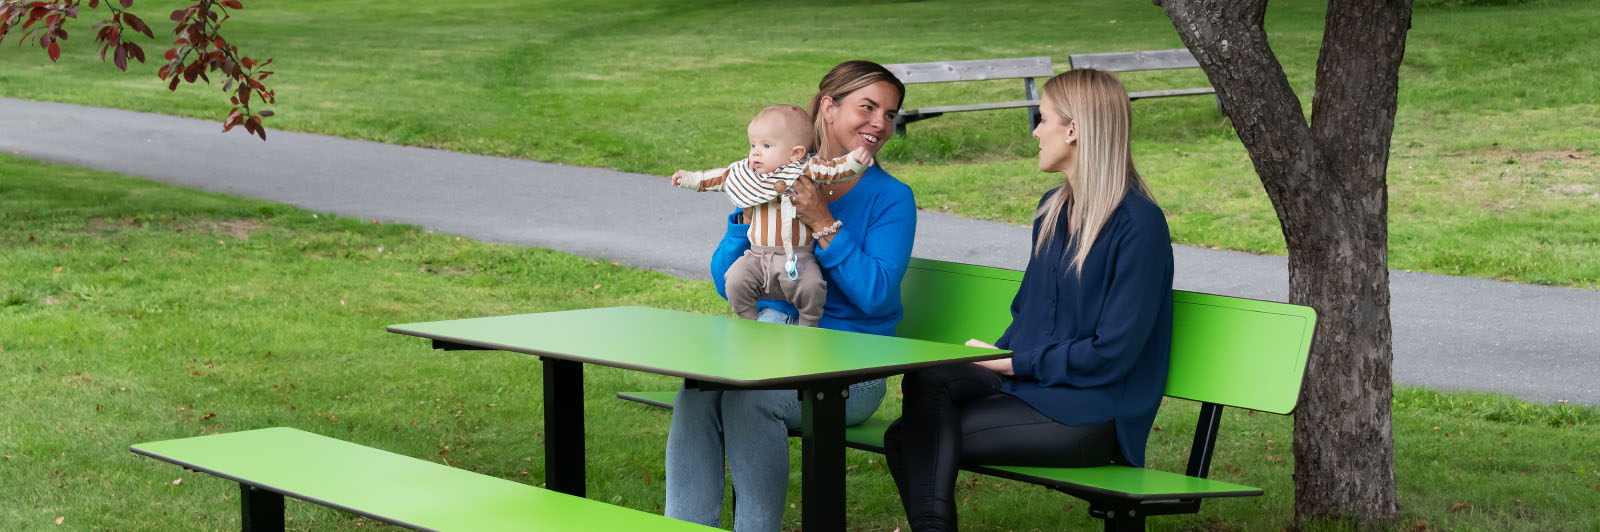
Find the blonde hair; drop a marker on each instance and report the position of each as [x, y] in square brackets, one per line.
[844, 79]
[1104, 172]
[789, 121]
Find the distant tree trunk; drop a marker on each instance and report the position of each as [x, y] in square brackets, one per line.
[1327, 184]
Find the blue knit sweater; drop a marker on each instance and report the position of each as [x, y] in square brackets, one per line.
[1094, 348]
[863, 264]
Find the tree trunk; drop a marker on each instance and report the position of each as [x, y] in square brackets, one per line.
[1326, 181]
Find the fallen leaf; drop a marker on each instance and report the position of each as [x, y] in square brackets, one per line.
[1460, 506]
[177, 481]
[207, 416]
[597, 287]
[124, 259]
[60, 519]
[58, 269]
[341, 302]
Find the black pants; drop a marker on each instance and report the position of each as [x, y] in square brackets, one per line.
[956, 415]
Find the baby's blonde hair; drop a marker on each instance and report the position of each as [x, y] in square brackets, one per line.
[791, 123]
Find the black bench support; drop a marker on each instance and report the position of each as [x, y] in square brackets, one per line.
[260, 510]
[563, 426]
[1205, 440]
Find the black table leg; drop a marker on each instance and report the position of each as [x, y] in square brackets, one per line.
[822, 459]
[260, 510]
[563, 426]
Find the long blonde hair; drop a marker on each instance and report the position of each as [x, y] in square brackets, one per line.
[844, 79]
[1096, 101]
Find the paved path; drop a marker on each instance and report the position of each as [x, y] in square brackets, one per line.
[1539, 343]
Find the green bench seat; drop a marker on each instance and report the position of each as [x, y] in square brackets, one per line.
[1226, 351]
[272, 463]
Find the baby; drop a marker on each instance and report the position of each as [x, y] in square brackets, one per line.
[780, 139]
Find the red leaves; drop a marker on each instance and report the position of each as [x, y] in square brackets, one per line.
[198, 48]
[137, 24]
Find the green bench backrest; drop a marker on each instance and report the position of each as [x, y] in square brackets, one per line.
[1225, 350]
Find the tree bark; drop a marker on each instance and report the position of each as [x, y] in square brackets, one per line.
[1327, 182]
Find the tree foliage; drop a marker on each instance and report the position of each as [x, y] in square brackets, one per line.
[199, 49]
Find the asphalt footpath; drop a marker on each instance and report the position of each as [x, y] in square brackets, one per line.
[1450, 333]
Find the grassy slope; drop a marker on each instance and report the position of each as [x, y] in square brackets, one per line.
[1492, 172]
[134, 311]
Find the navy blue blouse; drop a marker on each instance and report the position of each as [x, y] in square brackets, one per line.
[1094, 348]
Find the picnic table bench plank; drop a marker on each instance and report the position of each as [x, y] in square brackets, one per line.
[388, 487]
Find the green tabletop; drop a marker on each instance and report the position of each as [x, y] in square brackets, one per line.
[714, 349]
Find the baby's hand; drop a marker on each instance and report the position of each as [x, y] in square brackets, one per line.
[860, 155]
[677, 177]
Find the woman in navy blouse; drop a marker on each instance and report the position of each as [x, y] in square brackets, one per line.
[1091, 326]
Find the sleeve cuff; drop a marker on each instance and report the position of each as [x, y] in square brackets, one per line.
[735, 229]
[1024, 363]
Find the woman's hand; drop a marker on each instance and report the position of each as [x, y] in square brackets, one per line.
[809, 206]
[1001, 366]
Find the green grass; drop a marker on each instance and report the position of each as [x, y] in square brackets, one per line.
[656, 86]
[134, 311]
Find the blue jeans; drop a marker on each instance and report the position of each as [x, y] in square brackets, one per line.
[750, 427]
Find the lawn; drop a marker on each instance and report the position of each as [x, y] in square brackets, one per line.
[134, 311]
[1492, 174]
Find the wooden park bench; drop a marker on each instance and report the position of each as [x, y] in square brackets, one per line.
[1147, 60]
[1029, 68]
[1226, 351]
[1026, 68]
[417, 494]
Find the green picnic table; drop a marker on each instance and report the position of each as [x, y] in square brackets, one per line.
[708, 352]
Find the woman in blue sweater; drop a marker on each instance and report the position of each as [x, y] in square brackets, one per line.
[863, 231]
[1091, 326]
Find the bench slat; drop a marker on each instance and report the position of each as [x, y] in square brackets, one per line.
[978, 70]
[392, 488]
[976, 107]
[1132, 61]
[1123, 482]
[1172, 92]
